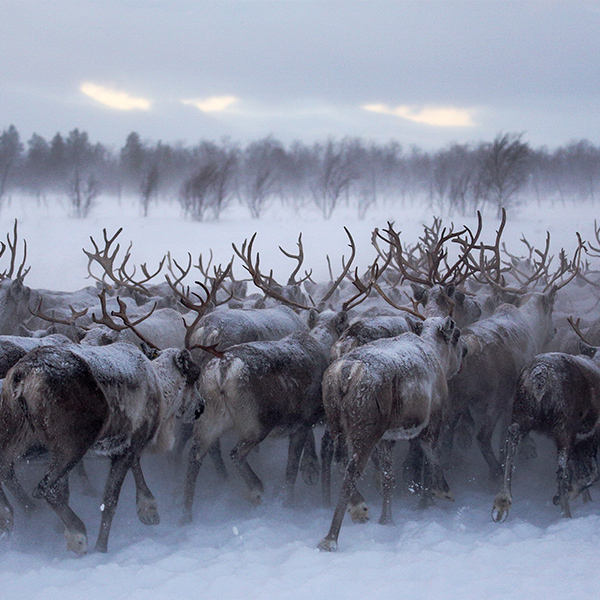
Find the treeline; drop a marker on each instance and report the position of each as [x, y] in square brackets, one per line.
[208, 177]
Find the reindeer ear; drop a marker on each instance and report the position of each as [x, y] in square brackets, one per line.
[150, 353]
[419, 293]
[456, 336]
[24, 332]
[341, 322]
[313, 318]
[415, 325]
[16, 289]
[186, 365]
[587, 350]
[447, 328]
[449, 290]
[78, 333]
[550, 296]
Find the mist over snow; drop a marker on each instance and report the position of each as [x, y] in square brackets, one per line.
[234, 550]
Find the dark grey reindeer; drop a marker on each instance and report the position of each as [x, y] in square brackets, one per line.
[112, 399]
[557, 395]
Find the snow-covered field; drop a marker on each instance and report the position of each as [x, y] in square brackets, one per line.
[234, 550]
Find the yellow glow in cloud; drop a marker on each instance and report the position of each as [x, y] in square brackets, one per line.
[443, 116]
[114, 99]
[212, 104]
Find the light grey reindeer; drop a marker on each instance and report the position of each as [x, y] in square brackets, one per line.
[391, 389]
[112, 399]
[259, 387]
[498, 348]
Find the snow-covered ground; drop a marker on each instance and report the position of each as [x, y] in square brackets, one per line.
[234, 550]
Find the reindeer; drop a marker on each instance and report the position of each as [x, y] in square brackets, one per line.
[112, 399]
[259, 387]
[498, 348]
[365, 330]
[14, 294]
[222, 329]
[557, 395]
[391, 389]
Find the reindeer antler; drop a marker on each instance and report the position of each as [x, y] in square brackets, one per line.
[12, 245]
[253, 267]
[106, 319]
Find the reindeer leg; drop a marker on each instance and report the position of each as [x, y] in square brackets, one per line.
[326, 458]
[118, 469]
[357, 506]
[297, 442]
[385, 451]
[217, 458]
[86, 485]
[6, 514]
[584, 467]
[239, 456]
[184, 434]
[147, 508]
[197, 453]
[207, 432]
[503, 500]
[58, 498]
[356, 465]
[484, 439]
[16, 489]
[309, 464]
[433, 482]
[464, 427]
[563, 479]
[528, 449]
[412, 467]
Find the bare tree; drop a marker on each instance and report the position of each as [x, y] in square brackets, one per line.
[149, 187]
[334, 176]
[10, 150]
[198, 191]
[260, 174]
[82, 195]
[504, 169]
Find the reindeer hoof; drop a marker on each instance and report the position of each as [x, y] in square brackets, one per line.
[186, 519]
[464, 440]
[500, 509]
[527, 449]
[76, 542]
[359, 513]
[425, 502]
[310, 472]
[6, 521]
[444, 495]
[254, 497]
[386, 520]
[327, 545]
[147, 512]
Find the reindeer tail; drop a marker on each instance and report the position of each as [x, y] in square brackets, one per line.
[14, 397]
[539, 380]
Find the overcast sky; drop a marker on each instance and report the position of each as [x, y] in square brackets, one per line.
[420, 72]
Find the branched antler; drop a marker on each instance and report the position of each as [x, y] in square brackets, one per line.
[12, 246]
[345, 268]
[52, 318]
[118, 276]
[253, 267]
[107, 319]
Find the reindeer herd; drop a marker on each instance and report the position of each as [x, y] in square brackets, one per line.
[431, 343]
